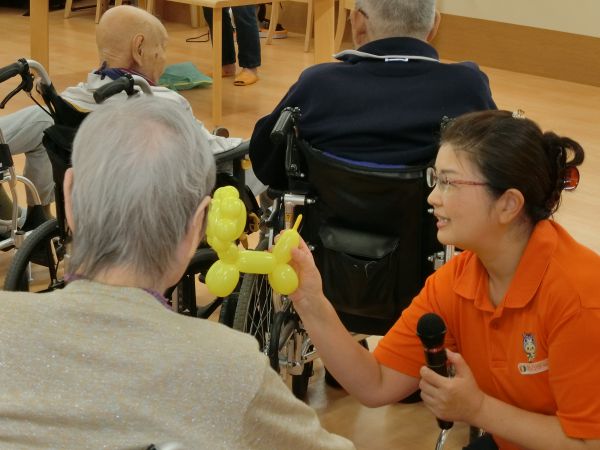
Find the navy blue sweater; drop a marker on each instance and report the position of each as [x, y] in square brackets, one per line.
[373, 110]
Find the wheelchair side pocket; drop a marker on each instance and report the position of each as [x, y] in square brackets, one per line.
[365, 274]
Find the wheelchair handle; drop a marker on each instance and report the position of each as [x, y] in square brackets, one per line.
[40, 71]
[21, 67]
[12, 70]
[287, 119]
[125, 83]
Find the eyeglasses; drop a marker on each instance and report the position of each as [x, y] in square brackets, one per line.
[443, 182]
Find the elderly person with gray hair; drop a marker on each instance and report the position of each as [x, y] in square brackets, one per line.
[103, 363]
[384, 102]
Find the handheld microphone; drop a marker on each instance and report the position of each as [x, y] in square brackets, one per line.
[431, 329]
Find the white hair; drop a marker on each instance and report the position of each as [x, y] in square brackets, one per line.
[394, 18]
[140, 170]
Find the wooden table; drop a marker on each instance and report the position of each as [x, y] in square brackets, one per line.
[324, 34]
[324, 30]
[38, 34]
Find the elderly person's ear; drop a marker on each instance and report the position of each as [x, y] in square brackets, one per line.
[197, 226]
[137, 51]
[360, 32]
[68, 190]
[436, 25]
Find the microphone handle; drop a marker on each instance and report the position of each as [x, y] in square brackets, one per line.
[436, 360]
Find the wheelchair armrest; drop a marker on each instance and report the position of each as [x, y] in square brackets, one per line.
[238, 152]
[285, 124]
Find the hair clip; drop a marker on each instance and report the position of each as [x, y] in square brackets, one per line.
[518, 114]
[570, 178]
[445, 122]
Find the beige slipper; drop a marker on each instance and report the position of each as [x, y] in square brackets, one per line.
[245, 78]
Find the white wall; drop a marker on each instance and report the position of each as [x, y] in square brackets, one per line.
[570, 16]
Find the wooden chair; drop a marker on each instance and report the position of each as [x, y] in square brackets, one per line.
[194, 13]
[344, 7]
[101, 7]
[275, 6]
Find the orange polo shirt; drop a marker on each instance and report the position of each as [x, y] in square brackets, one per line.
[539, 349]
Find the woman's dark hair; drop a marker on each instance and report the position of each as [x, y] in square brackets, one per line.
[513, 152]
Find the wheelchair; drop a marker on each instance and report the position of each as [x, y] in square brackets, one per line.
[42, 245]
[373, 238]
[15, 225]
[47, 246]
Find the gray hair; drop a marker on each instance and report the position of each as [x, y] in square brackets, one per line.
[141, 169]
[394, 18]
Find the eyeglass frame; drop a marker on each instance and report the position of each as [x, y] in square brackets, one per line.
[432, 179]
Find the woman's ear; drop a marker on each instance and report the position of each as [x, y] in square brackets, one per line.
[68, 192]
[509, 205]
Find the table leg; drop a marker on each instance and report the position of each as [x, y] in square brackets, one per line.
[39, 36]
[324, 30]
[217, 86]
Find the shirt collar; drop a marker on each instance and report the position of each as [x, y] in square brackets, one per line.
[528, 277]
[391, 46]
[71, 277]
[114, 73]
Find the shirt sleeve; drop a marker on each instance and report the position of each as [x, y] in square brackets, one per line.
[574, 371]
[480, 86]
[401, 349]
[275, 419]
[268, 160]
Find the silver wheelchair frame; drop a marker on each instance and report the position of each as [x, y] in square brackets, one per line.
[8, 174]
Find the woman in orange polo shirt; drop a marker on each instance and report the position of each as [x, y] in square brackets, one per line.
[521, 303]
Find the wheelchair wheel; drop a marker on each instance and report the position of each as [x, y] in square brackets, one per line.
[255, 308]
[183, 294]
[300, 382]
[283, 331]
[46, 251]
[227, 313]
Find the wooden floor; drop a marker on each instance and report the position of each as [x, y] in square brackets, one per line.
[567, 108]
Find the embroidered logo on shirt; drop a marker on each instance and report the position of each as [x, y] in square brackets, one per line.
[533, 368]
[529, 346]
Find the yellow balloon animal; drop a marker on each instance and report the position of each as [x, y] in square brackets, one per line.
[226, 221]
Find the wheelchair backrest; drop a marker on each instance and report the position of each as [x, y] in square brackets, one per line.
[58, 141]
[379, 200]
[371, 230]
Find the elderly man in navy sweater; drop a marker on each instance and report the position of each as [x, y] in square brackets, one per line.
[384, 102]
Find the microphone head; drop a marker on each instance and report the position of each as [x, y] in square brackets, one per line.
[431, 329]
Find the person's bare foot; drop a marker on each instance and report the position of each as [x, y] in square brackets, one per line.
[228, 70]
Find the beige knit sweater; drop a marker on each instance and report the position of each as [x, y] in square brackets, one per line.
[96, 366]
